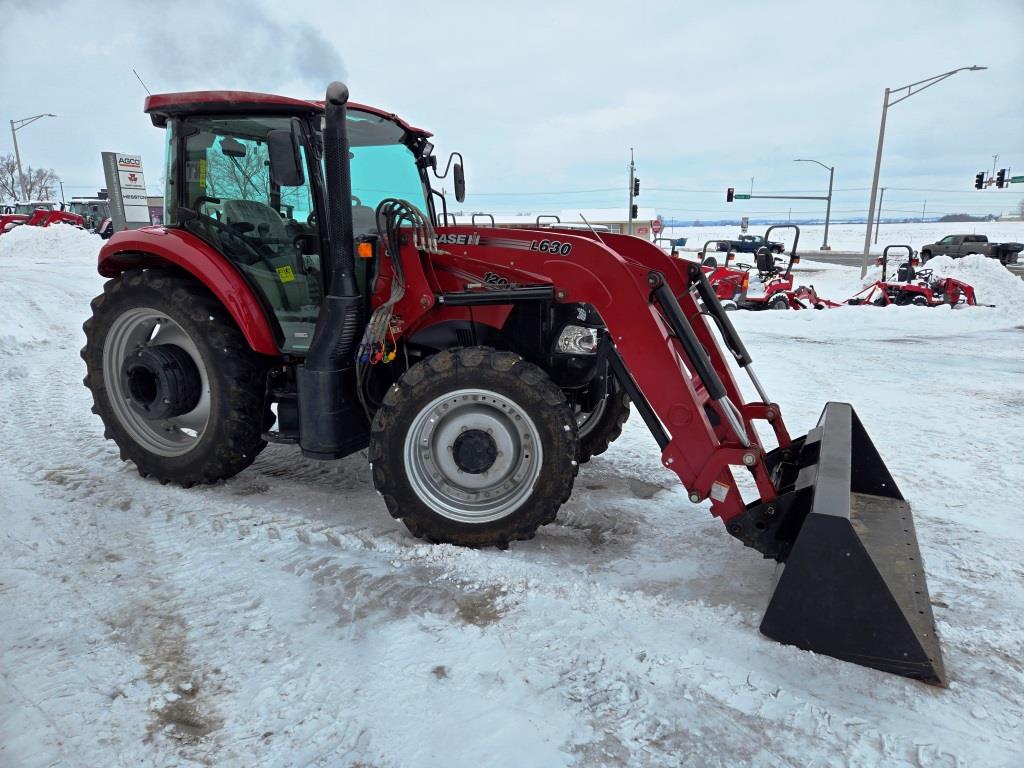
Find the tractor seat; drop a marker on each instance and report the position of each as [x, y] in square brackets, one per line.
[364, 221]
[267, 224]
[765, 261]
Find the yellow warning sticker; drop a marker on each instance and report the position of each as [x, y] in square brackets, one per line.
[286, 274]
[202, 173]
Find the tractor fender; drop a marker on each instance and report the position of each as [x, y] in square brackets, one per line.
[162, 247]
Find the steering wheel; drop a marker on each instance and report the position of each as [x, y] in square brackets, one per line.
[247, 259]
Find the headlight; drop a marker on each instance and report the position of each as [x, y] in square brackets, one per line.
[577, 340]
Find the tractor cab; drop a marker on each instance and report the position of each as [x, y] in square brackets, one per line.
[246, 175]
[28, 207]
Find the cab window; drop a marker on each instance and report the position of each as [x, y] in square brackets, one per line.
[268, 231]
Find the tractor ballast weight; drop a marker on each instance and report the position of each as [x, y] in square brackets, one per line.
[828, 511]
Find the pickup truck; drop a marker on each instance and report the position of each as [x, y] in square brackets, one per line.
[750, 244]
[967, 245]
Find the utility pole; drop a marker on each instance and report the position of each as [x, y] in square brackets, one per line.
[995, 159]
[632, 173]
[923, 209]
[879, 220]
[751, 185]
[911, 89]
[17, 155]
[17, 125]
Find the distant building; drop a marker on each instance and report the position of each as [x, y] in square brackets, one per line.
[612, 220]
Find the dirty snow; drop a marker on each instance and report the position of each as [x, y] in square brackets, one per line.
[282, 618]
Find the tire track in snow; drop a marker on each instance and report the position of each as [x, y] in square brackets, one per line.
[348, 566]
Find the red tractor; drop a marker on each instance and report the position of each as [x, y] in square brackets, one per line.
[731, 282]
[913, 286]
[314, 299]
[37, 214]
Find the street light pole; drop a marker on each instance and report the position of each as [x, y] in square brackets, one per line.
[17, 125]
[828, 207]
[911, 89]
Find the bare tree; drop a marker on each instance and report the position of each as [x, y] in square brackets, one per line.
[40, 183]
[8, 179]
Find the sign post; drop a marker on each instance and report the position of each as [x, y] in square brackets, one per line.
[126, 185]
[656, 227]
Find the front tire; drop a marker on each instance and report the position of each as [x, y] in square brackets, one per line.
[157, 339]
[475, 447]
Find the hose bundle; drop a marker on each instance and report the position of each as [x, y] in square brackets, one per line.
[391, 215]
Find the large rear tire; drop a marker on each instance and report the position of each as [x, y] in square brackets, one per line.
[172, 378]
[474, 447]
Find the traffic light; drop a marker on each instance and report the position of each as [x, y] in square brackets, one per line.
[1001, 178]
[634, 211]
[979, 180]
[729, 194]
[636, 186]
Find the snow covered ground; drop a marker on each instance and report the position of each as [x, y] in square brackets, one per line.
[850, 237]
[282, 618]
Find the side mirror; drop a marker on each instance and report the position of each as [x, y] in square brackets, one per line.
[285, 158]
[460, 182]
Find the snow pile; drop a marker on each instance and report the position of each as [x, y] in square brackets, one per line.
[59, 242]
[47, 275]
[993, 283]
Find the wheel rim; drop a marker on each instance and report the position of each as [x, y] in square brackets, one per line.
[473, 455]
[141, 327]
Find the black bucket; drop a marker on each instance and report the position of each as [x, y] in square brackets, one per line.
[851, 584]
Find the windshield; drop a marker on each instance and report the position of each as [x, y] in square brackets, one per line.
[381, 167]
[33, 205]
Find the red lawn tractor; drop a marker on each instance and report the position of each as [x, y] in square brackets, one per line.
[912, 286]
[731, 282]
[303, 291]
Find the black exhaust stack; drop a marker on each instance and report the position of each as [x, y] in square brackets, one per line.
[331, 421]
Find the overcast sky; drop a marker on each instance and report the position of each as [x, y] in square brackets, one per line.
[545, 99]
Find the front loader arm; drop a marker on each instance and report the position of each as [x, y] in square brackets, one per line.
[660, 343]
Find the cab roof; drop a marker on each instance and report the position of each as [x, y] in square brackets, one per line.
[160, 106]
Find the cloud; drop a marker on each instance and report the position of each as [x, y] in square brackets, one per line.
[240, 46]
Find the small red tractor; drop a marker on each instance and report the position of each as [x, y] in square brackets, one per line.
[731, 282]
[912, 286]
[317, 300]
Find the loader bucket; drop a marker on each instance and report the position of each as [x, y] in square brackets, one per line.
[852, 585]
